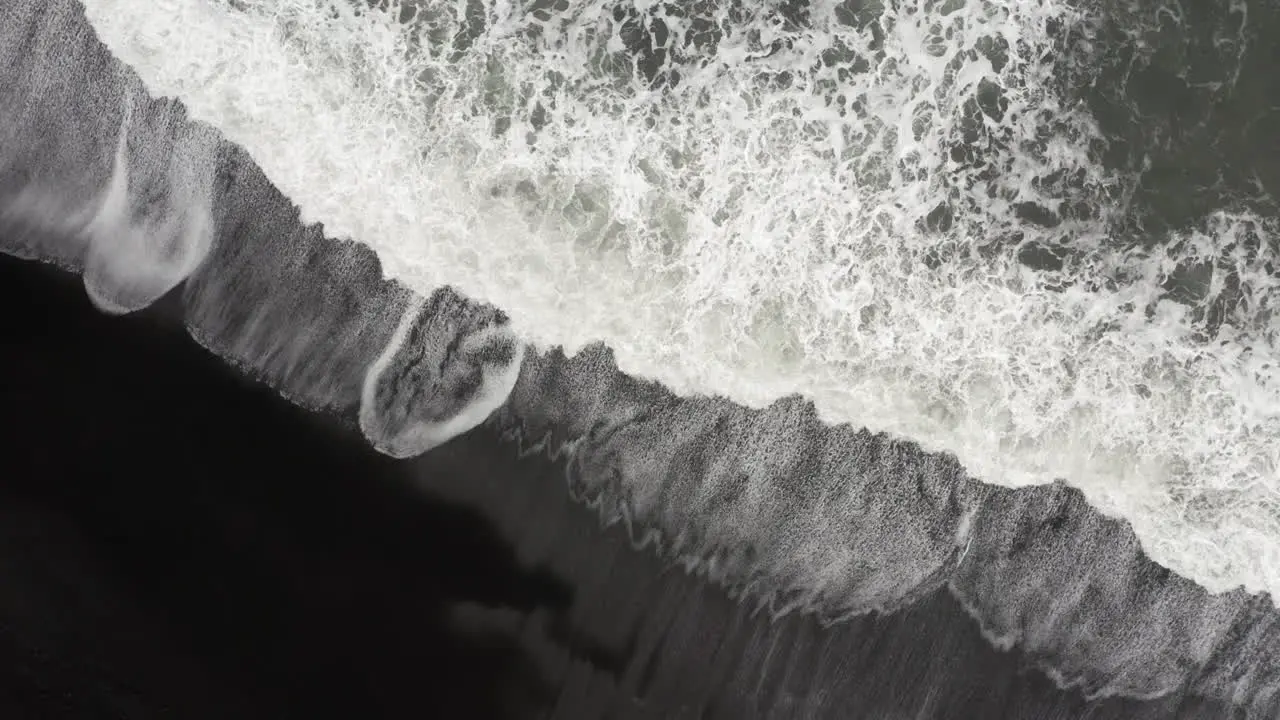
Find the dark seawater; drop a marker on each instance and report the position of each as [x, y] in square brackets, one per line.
[1189, 97]
[178, 541]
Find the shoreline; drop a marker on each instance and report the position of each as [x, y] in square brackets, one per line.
[596, 627]
[862, 522]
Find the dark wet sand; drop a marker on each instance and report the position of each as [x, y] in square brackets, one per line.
[176, 541]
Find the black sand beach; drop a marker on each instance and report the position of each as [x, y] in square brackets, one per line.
[180, 542]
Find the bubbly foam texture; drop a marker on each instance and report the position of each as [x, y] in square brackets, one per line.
[137, 254]
[142, 227]
[841, 206]
[447, 367]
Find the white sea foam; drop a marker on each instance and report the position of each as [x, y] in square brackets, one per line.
[136, 255]
[771, 224]
[441, 391]
[148, 225]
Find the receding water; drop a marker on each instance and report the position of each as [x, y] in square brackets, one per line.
[945, 220]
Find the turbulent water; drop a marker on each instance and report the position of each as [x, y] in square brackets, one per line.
[900, 211]
[1036, 239]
